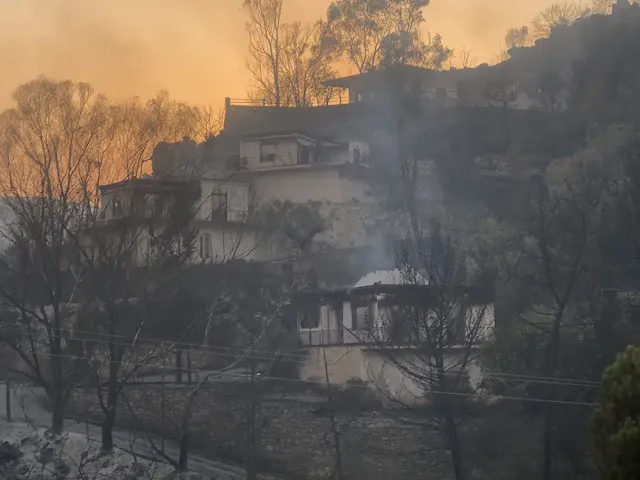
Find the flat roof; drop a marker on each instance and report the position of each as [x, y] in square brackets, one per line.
[417, 291]
[150, 183]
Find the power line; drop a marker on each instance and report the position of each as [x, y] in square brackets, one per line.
[214, 373]
[155, 341]
[303, 359]
[429, 392]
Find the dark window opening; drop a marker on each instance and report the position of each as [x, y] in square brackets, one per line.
[219, 206]
[267, 152]
[310, 318]
[304, 155]
[205, 246]
[233, 161]
[364, 317]
[117, 208]
[356, 156]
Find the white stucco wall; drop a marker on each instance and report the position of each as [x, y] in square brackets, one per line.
[300, 185]
[229, 242]
[286, 153]
[356, 362]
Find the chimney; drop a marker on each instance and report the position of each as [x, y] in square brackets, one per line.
[227, 102]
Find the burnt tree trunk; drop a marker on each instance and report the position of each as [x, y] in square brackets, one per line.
[184, 449]
[112, 398]
[57, 395]
[179, 364]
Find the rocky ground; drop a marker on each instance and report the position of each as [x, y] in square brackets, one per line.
[27, 453]
[28, 412]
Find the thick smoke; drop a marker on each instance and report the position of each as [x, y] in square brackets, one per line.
[196, 49]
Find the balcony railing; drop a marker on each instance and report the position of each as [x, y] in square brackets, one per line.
[376, 337]
[317, 337]
[339, 98]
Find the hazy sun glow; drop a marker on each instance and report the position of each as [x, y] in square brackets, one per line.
[196, 49]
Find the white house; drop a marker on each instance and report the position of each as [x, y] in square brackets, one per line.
[355, 328]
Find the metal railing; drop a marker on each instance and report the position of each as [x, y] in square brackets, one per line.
[317, 337]
[341, 98]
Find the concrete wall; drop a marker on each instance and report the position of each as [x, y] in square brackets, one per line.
[231, 242]
[347, 363]
[300, 185]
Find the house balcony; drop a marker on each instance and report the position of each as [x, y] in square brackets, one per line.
[394, 316]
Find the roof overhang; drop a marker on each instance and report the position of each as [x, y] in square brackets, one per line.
[376, 76]
[150, 184]
[296, 135]
[413, 293]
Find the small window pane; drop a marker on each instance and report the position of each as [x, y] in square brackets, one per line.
[205, 246]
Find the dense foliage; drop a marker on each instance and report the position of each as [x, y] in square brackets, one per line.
[615, 422]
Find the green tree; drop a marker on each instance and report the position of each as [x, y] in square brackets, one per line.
[616, 422]
[371, 34]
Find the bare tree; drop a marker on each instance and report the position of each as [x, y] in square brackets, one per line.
[130, 262]
[564, 225]
[466, 59]
[304, 66]
[259, 328]
[55, 146]
[265, 48]
[209, 122]
[601, 7]
[51, 141]
[517, 37]
[557, 15]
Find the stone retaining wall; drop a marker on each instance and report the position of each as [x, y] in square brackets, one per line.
[294, 432]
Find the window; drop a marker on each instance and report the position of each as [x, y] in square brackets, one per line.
[117, 208]
[310, 318]
[364, 317]
[267, 152]
[205, 246]
[356, 156]
[219, 206]
[304, 154]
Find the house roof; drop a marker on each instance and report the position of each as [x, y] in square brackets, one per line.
[444, 78]
[337, 123]
[276, 135]
[149, 183]
[419, 293]
[384, 74]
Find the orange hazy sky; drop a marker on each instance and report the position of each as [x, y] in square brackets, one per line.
[196, 49]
